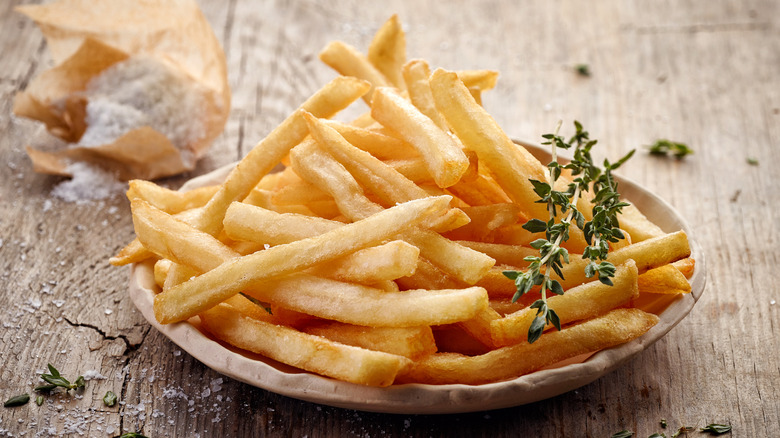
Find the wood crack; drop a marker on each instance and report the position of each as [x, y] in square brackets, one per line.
[129, 346]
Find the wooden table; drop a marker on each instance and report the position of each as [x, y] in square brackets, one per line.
[701, 72]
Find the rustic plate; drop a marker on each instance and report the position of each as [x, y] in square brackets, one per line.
[419, 398]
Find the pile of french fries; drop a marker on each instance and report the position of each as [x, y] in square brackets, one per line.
[376, 255]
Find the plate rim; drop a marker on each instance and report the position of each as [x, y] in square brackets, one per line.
[416, 398]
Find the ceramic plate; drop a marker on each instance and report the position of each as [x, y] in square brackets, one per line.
[420, 398]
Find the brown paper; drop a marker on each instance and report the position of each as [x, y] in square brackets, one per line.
[85, 38]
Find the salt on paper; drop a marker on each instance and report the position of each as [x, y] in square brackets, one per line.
[143, 91]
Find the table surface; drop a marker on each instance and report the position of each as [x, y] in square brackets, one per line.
[700, 72]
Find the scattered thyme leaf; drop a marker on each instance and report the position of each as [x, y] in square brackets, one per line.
[583, 69]
[657, 435]
[39, 400]
[666, 147]
[663, 423]
[752, 161]
[55, 379]
[133, 435]
[109, 399]
[623, 434]
[17, 400]
[716, 429]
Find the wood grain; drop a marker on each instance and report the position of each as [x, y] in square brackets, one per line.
[701, 72]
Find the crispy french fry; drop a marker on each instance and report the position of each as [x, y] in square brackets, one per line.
[205, 291]
[380, 145]
[333, 97]
[479, 79]
[686, 266]
[411, 342]
[308, 352]
[255, 224]
[374, 264]
[446, 161]
[665, 279]
[416, 74]
[161, 268]
[637, 225]
[510, 165]
[483, 190]
[169, 201]
[387, 51]
[647, 254]
[301, 193]
[616, 327]
[582, 302]
[484, 220]
[349, 62]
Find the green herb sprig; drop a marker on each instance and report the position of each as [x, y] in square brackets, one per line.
[602, 229]
[55, 380]
[666, 147]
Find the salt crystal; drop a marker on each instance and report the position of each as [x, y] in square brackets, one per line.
[206, 392]
[110, 429]
[772, 302]
[108, 311]
[47, 205]
[58, 303]
[177, 353]
[35, 302]
[89, 183]
[93, 375]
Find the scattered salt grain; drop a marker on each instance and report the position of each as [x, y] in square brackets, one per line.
[58, 303]
[89, 183]
[772, 302]
[47, 205]
[108, 311]
[93, 375]
[177, 353]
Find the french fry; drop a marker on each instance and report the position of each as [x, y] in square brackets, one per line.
[333, 97]
[411, 342]
[301, 193]
[205, 291]
[363, 305]
[446, 161]
[374, 264]
[484, 220]
[301, 350]
[255, 224]
[616, 327]
[685, 266]
[169, 201]
[637, 225]
[378, 144]
[415, 75]
[478, 79]
[349, 62]
[647, 254]
[665, 279]
[510, 165]
[582, 302]
[387, 51]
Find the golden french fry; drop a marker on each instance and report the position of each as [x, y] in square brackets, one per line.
[411, 342]
[616, 327]
[349, 62]
[637, 225]
[483, 190]
[647, 254]
[169, 201]
[446, 161]
[416, 74]
[478, 79]
[301, 350]
[484, 220]
[205, 291]
[665, 279]
[301, 193]
[378, 144]
[363, 305]
[161, 268]
[686, 266]
[510, 165]
[479, 327]
[131, 253]
[255, 224]
[332, 98]
[387, 51]
[373, 265]
[264, 199]
[582, 302]
[513, 255]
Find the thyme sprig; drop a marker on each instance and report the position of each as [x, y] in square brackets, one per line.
[602, 229]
